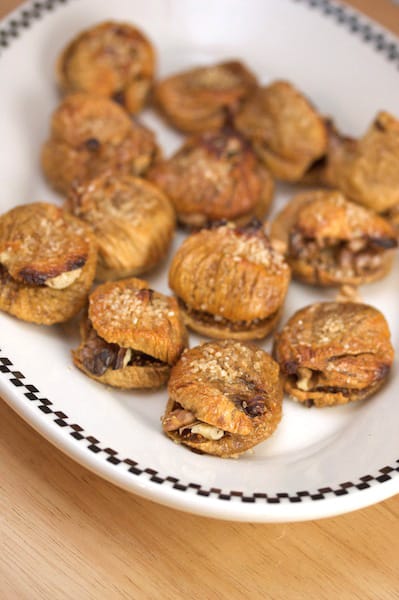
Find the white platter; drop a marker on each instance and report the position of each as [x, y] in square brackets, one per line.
[319, 462]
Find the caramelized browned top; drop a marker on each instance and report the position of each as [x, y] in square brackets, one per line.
[329, 240]
[215, 175]
[326, 216]
[41, 241]
[230, 271]
[132, 315]
[347, 344]
[230, 385]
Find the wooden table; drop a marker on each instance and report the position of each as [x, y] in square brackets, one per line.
[66, 533]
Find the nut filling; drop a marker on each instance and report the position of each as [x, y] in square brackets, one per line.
[333, 353]
[332, 241]
[315, 382]
[223, 323]
[190, 428]
[47, 263]
[308, 380]
[98, 356]
[355, 257]
[224, 398]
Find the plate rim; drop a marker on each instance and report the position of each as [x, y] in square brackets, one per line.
[197, 500]
[26, 400]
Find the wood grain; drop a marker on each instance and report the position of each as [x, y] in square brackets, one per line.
[67, 534]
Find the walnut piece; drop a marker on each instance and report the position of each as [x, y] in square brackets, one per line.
[207, 431]
[64, 280]
[305, 377]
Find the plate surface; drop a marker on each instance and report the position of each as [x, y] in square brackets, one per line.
[319, 462]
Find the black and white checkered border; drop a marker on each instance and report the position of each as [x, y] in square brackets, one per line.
[354, 22]
[45, 405]
[22, 20]
[357, 25]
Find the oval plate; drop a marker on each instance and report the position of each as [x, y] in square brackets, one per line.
[320, 462]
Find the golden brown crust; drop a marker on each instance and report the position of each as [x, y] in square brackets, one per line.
[47, 263]
[201, 99]
[112, 59]
[92, 135]
[133, 222]
[333, 353]
[130, 314]
[214, 176]
[331, 241]
[230, 273]
[286, 131]
[232, 387]
[40, 241]
[103, 362]
[366, 170]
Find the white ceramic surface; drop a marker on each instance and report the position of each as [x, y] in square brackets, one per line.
[319, 462]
